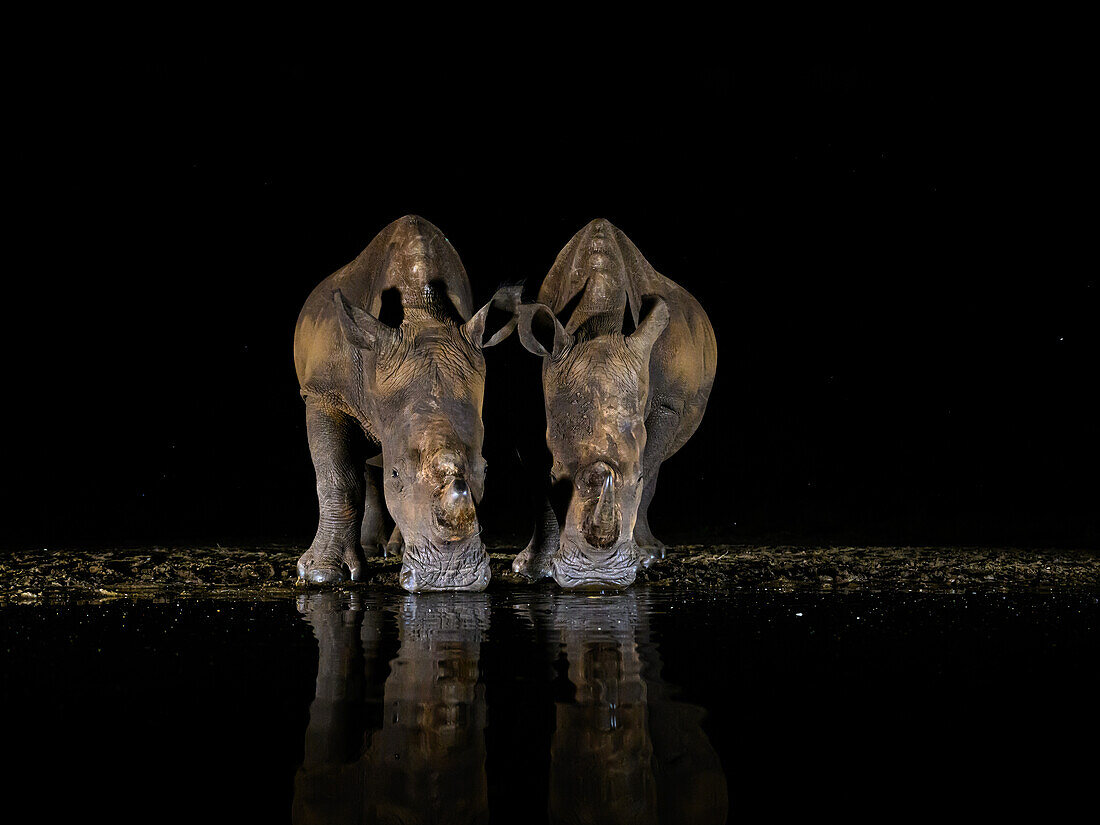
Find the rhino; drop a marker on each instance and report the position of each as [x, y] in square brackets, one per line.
[628, 362]
[388, 352]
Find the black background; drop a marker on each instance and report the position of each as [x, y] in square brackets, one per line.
[872, 215]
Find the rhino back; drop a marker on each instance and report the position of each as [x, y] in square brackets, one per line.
[601, 274]
[411, 260]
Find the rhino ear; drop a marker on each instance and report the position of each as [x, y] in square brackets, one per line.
[495, 321]
[361, 328]
[653, 323]
[541, 332]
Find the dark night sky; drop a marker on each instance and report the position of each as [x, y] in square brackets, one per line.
[906, 342]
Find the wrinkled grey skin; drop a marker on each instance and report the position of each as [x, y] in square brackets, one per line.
[628, 363]
[410, 384]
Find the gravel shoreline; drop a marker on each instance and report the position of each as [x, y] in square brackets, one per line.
[55, 576]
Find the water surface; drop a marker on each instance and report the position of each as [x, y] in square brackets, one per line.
[534, 705]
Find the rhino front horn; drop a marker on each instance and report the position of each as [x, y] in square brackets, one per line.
[457, 494]
[604, 528]
[457, 509]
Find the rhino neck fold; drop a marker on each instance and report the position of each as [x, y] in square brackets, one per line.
[588, 325]
[429, 299]
[599, 299]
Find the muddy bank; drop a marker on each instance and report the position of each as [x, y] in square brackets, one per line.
[269, 572]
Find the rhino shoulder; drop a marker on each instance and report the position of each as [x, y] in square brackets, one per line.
[683, 359]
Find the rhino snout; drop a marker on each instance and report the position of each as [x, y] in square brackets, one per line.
[575, 566]
[443, 569]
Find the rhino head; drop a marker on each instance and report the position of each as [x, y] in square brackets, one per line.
[423, 386]
[595, 388]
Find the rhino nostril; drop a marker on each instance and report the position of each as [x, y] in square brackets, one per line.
[459, 487]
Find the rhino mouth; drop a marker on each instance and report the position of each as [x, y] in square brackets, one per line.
[576, 567]
[434, 567]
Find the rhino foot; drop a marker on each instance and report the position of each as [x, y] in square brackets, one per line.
[532, 564]
[647, 554]
[326, 562]
[395, 547]
[650, 548]
[376, 549]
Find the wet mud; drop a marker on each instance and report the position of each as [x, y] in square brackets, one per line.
[46, 575]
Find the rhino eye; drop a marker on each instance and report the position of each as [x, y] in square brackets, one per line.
[394, 472]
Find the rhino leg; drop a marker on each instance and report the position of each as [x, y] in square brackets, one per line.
[534, 560]
[661, 427]
[396, 545]
[374, 533]
[652, 548]
[339, 497]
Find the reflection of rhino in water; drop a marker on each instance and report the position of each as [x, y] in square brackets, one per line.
[427, 762]
[430, 754]
[414, 751]
[623, 751]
